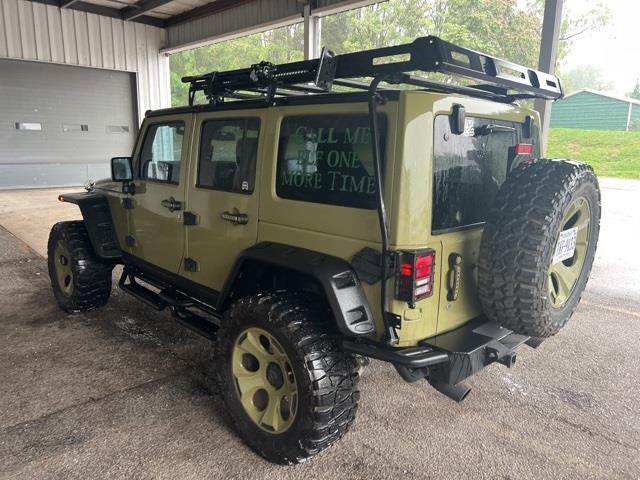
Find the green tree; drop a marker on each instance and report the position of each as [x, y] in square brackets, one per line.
[585, 76]
[280, 45]
[498, 27]
[635, 93]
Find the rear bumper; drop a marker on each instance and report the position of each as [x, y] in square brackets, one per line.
[451, 357]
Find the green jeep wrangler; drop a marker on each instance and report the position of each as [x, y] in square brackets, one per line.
[306, 221]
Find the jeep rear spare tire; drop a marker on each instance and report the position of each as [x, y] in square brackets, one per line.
[538, 246]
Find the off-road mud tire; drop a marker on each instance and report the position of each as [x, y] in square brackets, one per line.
[519, 241]
[326, 377]
[91, 276]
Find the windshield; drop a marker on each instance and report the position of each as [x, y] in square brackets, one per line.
[469, 169]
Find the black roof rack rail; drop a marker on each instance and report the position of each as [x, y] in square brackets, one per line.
[426, 54]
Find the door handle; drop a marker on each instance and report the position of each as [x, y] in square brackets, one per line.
[455, 272]
[172, 204]
[235, 217]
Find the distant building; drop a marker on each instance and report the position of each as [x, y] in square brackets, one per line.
[592, 110]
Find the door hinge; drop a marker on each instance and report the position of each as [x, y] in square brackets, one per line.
[127, 203]
[190, 218]
[190, 265]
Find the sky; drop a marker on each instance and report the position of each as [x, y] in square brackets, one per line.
[615, 48]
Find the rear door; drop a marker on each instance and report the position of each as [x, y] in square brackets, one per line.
[468, 170]
[222, 216]
[156, 231]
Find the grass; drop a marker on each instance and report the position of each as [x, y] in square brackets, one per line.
[610, 153]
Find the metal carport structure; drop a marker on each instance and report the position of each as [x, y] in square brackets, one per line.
[136, 37]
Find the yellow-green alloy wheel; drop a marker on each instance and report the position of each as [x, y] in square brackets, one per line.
[265, 382]
[564, 274]
[80, 281]
[289, 388]
[64, 274]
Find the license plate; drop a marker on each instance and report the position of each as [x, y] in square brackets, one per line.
[566, 246]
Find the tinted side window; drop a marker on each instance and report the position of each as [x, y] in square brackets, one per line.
[228, 152]
[161, 152]
[328, 159]
[469, 169]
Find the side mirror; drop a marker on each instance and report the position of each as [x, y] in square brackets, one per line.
[121, 169]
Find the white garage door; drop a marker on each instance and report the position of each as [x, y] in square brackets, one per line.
[60, 125]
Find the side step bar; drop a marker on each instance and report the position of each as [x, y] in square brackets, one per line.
[179, 303]
[194, 322]
[143, 294]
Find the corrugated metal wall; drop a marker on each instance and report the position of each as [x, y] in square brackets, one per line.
[33, 31]
[590, 111]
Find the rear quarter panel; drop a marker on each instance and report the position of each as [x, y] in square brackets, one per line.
[334, 230]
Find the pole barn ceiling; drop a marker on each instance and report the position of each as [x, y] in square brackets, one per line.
[159, 13]
[193, 22]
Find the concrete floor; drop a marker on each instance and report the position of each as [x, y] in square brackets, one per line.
[30, 214]
[125, 393]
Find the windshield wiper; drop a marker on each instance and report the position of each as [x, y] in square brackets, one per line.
[490, 128]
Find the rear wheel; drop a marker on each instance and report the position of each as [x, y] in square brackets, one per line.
[538, 246]
[289, 388]
[80, 281]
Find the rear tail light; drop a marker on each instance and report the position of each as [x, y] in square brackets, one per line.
[523, 149]
[414, 280]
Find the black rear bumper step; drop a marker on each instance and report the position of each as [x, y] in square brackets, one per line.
[413, 357]
[535, 342]
[448, 358]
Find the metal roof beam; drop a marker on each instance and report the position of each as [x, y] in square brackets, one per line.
[99, 10]
[204, 11]
[67, 3]
[140, 8]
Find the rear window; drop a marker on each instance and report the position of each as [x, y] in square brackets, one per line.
[469, 169]
[328, 159]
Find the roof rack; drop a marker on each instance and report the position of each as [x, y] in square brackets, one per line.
[502, 80]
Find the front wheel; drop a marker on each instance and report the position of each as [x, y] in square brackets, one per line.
[289, 388]
[80, 281]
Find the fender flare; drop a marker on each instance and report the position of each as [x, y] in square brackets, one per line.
[96, 214]
[337, 278]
